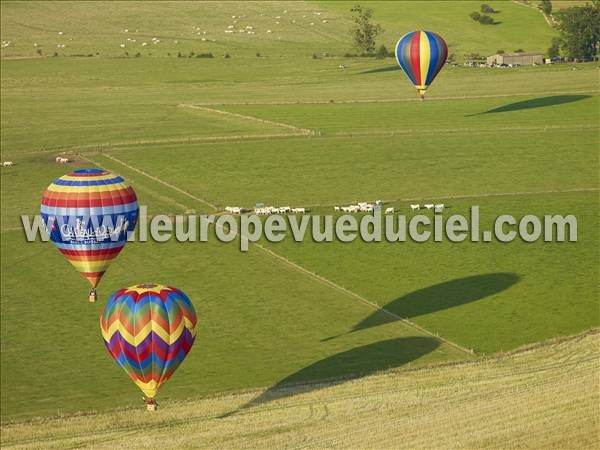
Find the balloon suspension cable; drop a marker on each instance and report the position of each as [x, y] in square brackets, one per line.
[93, 295]
[151, 404]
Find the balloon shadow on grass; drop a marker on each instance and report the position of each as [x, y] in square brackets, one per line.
[351, 364]
[381, 69]
[437, 298]
[540, 102]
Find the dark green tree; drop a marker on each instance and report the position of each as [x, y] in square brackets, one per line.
[546, 6]
[475, 16]
[580, 30]
[554, 49]
[364, 32]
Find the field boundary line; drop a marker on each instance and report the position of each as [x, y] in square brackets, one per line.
[360, 298]
[393, 100]
[301, 131]
[544, 128]
[152, 177]
[112, 146]
[10, 229]
[307, 272]
[508, 194]
[183, 140]
[462, 196]
[549, 19]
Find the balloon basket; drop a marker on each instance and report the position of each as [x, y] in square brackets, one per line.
[151, 404]
[93, 296]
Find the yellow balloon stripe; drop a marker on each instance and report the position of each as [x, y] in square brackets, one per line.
[424, 57]
[150, 389]
[92, 266]
[77, 189]
[88, 178]
[141, 288]
[143, 333]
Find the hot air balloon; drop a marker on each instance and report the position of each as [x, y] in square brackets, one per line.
[149, 329]
[88, 214]
[421, 55]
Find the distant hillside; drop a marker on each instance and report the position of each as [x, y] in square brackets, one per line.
[247, 28]
[544, 397]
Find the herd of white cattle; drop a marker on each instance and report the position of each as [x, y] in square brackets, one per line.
[359, 207]
[370, 207]
[266, 210]
[8, 164]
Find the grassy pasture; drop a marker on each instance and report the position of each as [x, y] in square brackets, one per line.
[481, 132]
[260, 321]
[297, 28]
[553, 404]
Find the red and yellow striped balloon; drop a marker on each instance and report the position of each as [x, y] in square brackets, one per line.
[149, 329]
[421, 55]
[88, 214]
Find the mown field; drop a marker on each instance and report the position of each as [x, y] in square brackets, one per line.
[196, 134]
[545, 397]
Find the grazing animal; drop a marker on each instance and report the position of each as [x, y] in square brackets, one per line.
[7, 164]
[389, 210]
[429, 206]
[439, 208]
[415, 207]
[336, 208]
[299, 210]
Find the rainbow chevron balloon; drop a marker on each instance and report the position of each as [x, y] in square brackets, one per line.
[149, 329]
[88, 214]
[421, 55]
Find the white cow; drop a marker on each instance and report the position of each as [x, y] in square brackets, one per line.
[336, 208]
[429, 205]
[439, 208]
[8, 164]
[415, 207]
[389, 210]
[299, 210]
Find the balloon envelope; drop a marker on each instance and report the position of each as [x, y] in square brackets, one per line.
[421, 55]
[88, 213]
[149, 329]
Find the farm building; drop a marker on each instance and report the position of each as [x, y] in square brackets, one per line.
[523, 59]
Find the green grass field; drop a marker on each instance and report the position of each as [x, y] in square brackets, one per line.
[190, 133]
[552, 390]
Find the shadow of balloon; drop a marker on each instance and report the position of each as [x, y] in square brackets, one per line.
[381, 69]
[439, 297]
[540, 102]
[341, 367]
